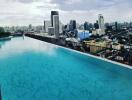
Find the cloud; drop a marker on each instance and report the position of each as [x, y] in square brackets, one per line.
[25, 1]
[24, 12]
[83, 5]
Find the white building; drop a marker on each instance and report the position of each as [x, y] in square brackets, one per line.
[61, 27]
[46, 25]
[97, 31]
[101, 23]
[117, 46]
[56, 25]
[51, 31]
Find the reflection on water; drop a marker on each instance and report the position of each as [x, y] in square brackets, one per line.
[20, 45]
[2, 42]
[42, 71]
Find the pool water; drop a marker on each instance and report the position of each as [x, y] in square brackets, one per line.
[34, 70]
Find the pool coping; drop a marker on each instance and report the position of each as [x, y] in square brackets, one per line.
[90, 55]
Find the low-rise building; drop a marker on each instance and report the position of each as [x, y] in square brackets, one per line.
[128, 46]
[117, 46]
[97, 46]
[97, 32]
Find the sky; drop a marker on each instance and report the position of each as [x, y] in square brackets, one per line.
[25, 12]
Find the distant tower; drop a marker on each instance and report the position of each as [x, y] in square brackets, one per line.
[52, 14]
[101, 23]
[30, 26]
[86, 26]
[72, 25]
[56, 25]
[96, 25]
[51, 30]
[46, 25]
[116, 26]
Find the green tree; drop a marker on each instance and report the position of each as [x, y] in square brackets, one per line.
[1, 29]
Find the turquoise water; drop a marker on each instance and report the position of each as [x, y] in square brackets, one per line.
[34, 70]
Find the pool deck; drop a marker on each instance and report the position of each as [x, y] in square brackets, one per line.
[87, 54]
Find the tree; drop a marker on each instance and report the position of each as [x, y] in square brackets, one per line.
[1, 29]
[5, 34]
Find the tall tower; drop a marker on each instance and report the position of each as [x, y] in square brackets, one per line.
[96, 25]
[72, 25]
[86, 26]
[101, 23]
[52, 14]
[46, 25]
[56, 25]
[116, 26]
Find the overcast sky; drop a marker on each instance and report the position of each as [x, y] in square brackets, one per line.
[24, 12]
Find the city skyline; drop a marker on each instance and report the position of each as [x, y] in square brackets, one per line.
[24, 12]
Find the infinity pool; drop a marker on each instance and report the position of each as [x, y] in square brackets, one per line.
[34, 70]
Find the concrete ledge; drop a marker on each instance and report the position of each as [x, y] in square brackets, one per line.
[42, 38]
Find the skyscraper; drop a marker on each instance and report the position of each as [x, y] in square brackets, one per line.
[56, 25]
[86, 26]
[52, 14]
[116, 26]
[101, 23]
[46, 25]
[51, 30]
[72, 25]
[96, 25]
[30, 27]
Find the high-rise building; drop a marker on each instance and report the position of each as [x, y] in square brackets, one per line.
[101, 23]
[60, 27]
[52, 14]
[30, 27]
[51, 30]
[116, 26]
[96, 25]
[86, 26]
[72, 25]
[46, 25]
[64, 29]
[56, 25]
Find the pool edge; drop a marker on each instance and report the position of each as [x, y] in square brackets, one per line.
[90, 55]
